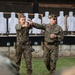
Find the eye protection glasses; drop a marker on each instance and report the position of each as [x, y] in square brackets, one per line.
[54, 19]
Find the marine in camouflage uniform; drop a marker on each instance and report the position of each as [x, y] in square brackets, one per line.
[23, 46]
[53, 33]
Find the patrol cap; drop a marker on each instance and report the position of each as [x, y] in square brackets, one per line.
[52, 16]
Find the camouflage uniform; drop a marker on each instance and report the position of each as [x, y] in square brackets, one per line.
[51, 45]
[23, 46]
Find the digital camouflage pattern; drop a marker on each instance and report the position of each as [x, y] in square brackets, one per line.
[23, 47]
[50, 52]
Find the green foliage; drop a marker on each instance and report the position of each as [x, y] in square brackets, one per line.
[39, 66]
[65, 62]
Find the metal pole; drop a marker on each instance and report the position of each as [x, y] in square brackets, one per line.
[8, 45]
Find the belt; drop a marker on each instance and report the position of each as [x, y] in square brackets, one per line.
[49, 43]
[26, 43]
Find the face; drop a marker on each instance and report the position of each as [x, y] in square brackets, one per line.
[22, 20]
[53, 21]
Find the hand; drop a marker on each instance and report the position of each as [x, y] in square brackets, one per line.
[53, 36]
[31, 22]
[25, 25]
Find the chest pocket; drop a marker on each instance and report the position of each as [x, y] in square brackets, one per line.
[47, 29]
[56, 31]
[51, 30]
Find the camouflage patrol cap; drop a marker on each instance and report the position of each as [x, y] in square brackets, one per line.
[52, 16]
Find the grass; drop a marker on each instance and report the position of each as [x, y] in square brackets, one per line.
[40, 69]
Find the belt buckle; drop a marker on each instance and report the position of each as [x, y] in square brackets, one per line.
[27, 43]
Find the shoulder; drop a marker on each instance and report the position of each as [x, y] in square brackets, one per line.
[58, 26]
[47, 25]
[18, 24]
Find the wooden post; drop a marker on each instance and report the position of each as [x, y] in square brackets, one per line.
[65, 24]
[65, 18]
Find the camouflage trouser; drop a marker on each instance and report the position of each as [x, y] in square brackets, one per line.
[50, 57]
[27, 55]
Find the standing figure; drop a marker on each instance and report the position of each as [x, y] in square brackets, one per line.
[26, 14]
[12, 21]
[23, 44]
[27, 20]
[45, 19]
[60, 20]
[36, 19]
[3, 24]
[71, 22]
[52, 36]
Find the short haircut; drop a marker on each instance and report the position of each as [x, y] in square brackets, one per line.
[22, 16]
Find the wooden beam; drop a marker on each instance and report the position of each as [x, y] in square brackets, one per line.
[57, 5]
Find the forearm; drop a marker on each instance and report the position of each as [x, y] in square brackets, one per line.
[61, 36]
[38, 26]
[20, 26]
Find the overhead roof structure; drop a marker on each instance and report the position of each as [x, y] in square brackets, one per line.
[46, 1]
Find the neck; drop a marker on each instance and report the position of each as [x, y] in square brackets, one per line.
[52, 24]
